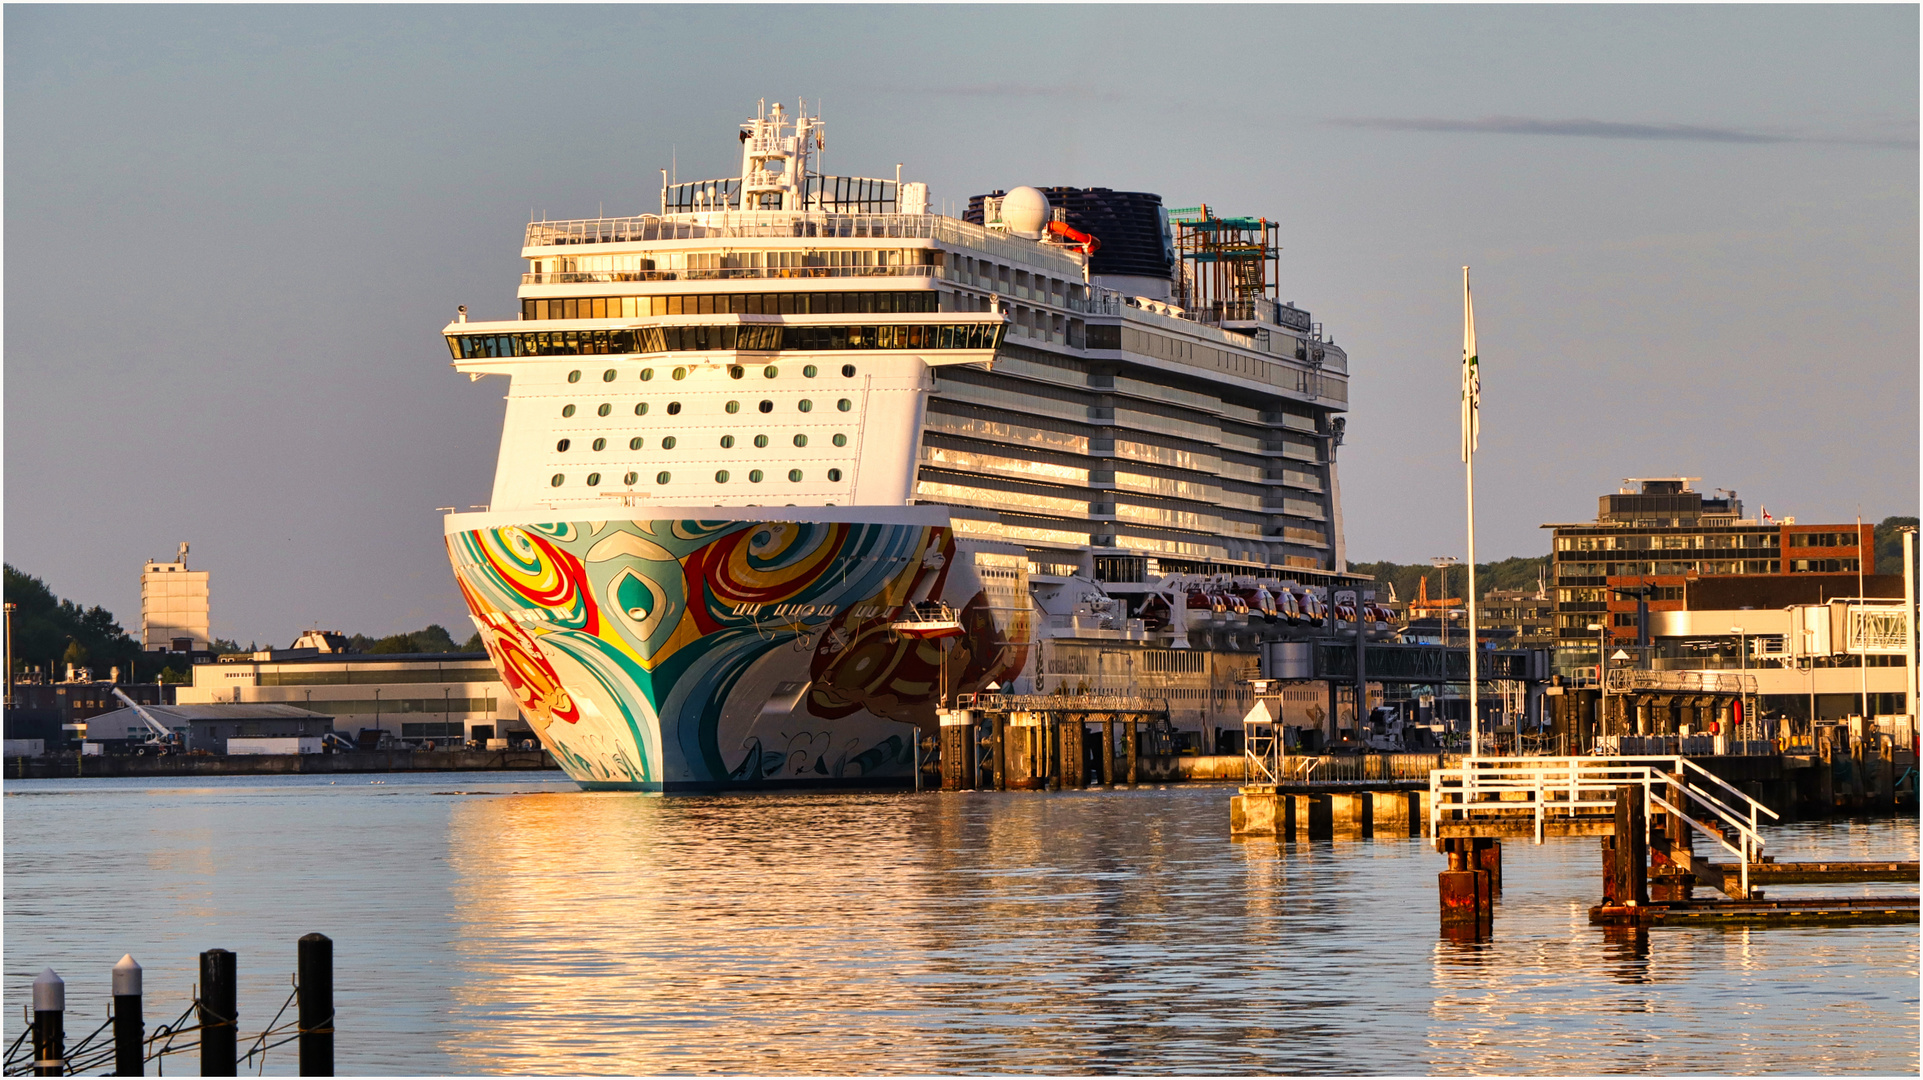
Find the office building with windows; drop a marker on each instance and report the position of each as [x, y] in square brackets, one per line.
[1657, 535]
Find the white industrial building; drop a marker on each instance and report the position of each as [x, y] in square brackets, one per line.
[415, 698]
[173, 606]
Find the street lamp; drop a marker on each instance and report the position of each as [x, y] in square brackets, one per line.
[1602, 684]
[1442, 563]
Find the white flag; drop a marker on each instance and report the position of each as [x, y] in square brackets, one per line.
[1471, 374]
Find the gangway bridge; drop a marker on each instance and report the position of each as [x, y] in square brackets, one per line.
[1653, 808]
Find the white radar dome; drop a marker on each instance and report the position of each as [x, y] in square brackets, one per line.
[1025, 211]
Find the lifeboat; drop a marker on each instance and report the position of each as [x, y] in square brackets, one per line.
[1314, 611]
[926, 621]
[1345, 611]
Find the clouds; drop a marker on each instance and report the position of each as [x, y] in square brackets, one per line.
[1609, 129]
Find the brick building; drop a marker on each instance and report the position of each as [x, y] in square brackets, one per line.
[1660, 536]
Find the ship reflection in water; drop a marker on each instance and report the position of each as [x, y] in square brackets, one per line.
[1120, 932]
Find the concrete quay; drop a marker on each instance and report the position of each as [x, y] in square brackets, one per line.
[70, 766]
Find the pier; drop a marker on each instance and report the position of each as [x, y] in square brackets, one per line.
[75, 766]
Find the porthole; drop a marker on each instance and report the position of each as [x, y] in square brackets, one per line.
[834, 474]
[561, 446]
[594, 479]
[766, 406]
[801, 440]
[674, 408]
[794, 476]
[847, 371]
[680, 373]
[556, 482]
[754, 476]
[647, 373]
[721, 477]
[641, 409]
[808, 372]
[574, 376]
[770, 371]
[634, 443]
[841, 440]
[600, 444]
[735, 371]
[667, 443]
[567, 410]
[733, 406]
[608, 375]
[629, 479]
[727, 442]
[761, 440]
[604, 409]
[661, 478]
[844, 405]
[805, 405]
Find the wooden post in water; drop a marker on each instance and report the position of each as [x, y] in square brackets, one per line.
[1467, 905]
[1630, 851]
[1001, 751]
[129, 1028]
[219, 1013]
[315, 980]
[1108, 750]
[1129, 736]
[49, 1025]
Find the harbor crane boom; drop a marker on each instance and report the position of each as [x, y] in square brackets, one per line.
[162, 734]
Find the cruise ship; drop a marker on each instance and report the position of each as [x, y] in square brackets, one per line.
[757, 443]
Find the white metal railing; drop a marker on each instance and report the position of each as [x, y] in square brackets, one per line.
[1625, 680]
[1497, 788]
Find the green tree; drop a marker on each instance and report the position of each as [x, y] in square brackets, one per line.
[1889, 550]
[1512, 573]
[46, 628]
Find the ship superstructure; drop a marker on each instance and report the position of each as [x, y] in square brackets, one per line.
[1111, 455]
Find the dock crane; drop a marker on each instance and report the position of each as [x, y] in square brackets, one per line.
[163, 737]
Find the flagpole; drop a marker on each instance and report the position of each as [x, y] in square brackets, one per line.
[1472, 393]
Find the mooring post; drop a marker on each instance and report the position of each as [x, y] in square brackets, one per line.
[1001, 751]
[1489, 860]
[129, 1030]
[49, 1032]
[316, 991]
[1463, 890]
[1128, 736]
[219, 1012]
[1052, 740]
[1631, 849]
[957, 750]
[1108, 750]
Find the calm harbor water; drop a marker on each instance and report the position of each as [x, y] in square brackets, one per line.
[485, 924]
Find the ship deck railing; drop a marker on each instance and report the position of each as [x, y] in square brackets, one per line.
[802, 224]
[725, 273]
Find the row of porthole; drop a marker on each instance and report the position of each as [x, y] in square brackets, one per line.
[668, 442]
[755, 476]
[735, 371]
[674, 407]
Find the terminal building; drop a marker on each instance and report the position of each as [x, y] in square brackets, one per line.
[412, 698]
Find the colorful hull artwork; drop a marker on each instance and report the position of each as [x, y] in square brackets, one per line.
[687, 654]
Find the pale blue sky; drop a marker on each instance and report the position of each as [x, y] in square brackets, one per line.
[233, 233]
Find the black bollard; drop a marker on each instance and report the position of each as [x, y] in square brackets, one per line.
[129, 1030]
[49, 1029]
[219, 1012]
[316, 981]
